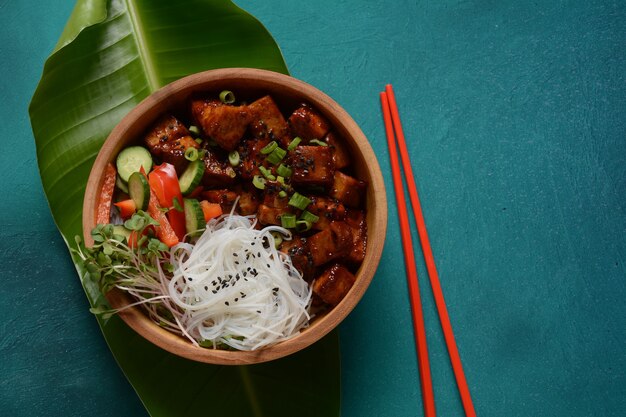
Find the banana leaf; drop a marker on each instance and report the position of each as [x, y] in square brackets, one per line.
[111, 55]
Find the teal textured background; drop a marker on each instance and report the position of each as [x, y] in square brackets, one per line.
[514, 114]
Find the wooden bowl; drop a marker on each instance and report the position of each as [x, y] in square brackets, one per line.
[288, 92]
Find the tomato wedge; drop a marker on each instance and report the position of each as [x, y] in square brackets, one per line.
[164, 185]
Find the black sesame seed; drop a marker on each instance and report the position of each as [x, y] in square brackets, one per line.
[236, 299]
[258, 311]
[226, 302]
[214, 291]
[234, 254]
[206, 288]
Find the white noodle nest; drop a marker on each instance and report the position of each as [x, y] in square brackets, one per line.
[233, 287]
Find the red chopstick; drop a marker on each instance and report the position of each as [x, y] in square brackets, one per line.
[444, 318]
[411, 271]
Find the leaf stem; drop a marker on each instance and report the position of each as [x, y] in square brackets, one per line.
[142, 46]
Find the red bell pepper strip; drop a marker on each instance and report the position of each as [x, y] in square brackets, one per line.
[164, 184]
[135, 237]
[103, 210]
[210, 210]
[127, 208]
[165, 232]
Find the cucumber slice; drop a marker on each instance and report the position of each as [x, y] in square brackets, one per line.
[191, 177]
[194, 217]
[131, 160]
[139, 190]
[121, 184]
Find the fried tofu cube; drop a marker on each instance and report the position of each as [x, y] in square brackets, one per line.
[248, 203]
[312, 166]
[331, 243]
[298, 250]
[250, 157]
[356, 220]
[216, 172]
[167, 128]
[173, 152]
[308, 124]
[224, 123]
[268, 122]
[168, 139]
[333, 284]
[223, 196]
[341, 154]
[347, 189]
[270, 215]
[272, 196]
[327, 209]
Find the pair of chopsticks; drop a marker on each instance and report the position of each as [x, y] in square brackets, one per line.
[392, 122]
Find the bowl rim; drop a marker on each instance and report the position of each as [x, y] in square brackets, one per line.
[340, 119]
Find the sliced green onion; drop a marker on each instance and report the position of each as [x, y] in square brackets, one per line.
[280, 180]
[276, 156]
[318, 142]
[269, 147]
[288, 221]
[284, 171]
[303, 225]
[191, 154]
[295, 142]
[233, 158]
[282, 194]
[299, 201]
[227, 97]
[267, 173]
[194, 130]
[308, 216]
[199, 141]
[278, 239]
[202, 153]
[259, 182]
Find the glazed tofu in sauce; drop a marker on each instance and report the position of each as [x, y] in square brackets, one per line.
[329, 247]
